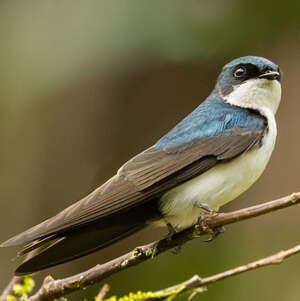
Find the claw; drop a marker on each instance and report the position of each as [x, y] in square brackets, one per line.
[207, 209]
[213, 232]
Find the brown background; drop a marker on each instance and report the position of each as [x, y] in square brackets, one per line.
[85, 85]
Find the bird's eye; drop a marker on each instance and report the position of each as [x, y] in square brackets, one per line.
[239, 72]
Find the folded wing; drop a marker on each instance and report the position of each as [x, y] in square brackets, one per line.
[142, 179]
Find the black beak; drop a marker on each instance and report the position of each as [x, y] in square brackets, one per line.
[271, 75]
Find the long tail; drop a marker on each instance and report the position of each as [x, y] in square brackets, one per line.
[77, 243]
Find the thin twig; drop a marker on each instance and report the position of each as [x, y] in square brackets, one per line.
[198, 282]
[103, 291]
[56, 288]
[9, 288]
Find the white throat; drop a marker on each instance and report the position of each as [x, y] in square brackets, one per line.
[259, 94]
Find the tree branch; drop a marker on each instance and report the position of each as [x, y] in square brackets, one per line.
[198, 282]
[56, 288]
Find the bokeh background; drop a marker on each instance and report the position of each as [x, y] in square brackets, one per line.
[85, 85]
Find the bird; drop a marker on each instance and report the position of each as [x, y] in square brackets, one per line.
[208, 159]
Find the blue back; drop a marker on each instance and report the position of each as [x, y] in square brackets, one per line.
[211, 118]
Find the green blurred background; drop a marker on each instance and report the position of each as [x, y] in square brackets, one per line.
[85, 85]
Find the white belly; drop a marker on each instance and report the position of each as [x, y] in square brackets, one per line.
[219, 185]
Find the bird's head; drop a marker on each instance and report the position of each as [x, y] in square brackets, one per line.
[250, 82]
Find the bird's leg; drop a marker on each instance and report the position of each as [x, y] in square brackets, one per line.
[172, 231]
[215, 232]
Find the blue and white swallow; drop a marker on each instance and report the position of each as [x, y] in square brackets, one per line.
[208, 159]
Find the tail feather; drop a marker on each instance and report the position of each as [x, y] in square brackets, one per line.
[75, 244]
[37, 244]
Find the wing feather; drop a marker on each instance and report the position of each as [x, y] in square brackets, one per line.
[144, 178]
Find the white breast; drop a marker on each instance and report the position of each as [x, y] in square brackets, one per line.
[225, 181]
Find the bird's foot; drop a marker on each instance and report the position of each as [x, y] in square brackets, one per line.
[213, 232]
[207, 209]
[171, 230]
